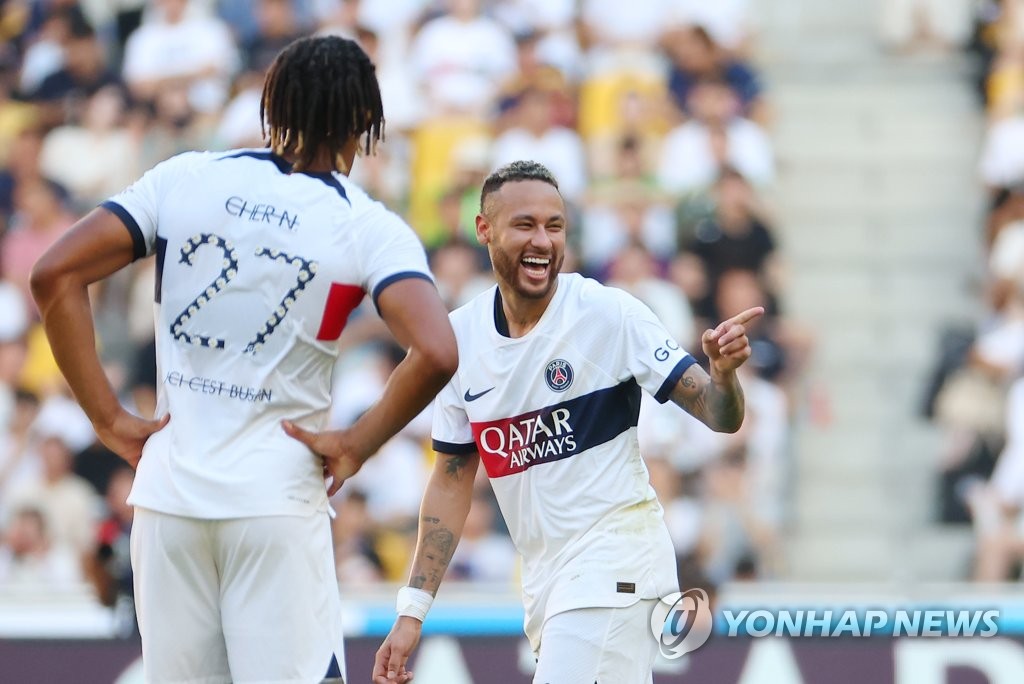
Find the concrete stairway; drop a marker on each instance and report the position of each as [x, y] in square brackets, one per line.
[879, 213]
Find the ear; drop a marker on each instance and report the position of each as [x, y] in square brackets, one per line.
[483, 229]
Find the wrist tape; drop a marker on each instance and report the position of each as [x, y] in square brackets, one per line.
[413, 602]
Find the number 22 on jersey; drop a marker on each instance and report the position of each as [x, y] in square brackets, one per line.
[230, 266]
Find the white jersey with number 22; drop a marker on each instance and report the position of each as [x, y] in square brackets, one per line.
[258, 270]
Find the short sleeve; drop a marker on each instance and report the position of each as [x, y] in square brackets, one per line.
[653, 357]
[393, 253]
[138, 206]
[451, 432]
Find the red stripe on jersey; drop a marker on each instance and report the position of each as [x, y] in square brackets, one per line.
[341, 300]
[511, 445]
[508, 446]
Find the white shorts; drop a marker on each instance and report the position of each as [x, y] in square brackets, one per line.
[247, 600]
[602, 645]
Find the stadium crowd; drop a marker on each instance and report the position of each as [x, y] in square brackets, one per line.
[651, 114]
[977, 394]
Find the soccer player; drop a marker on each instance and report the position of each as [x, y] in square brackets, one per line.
[261, 255]
[547, 396]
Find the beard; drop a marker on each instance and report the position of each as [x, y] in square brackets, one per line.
[507, 268]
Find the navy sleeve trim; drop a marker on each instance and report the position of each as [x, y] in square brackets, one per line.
[453, 449]
[392, 279]
[138, 239]
[670, 382]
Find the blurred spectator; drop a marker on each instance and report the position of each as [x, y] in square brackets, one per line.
[385, 174]
[908, 24]
[41, 216]
[15, 117]
[483, 554]
[392, 482]
[44, 55]
[635, 271]
[726, 21]
[615, 27]
[1002, 158]
[738, 290]
[998, 507]
[534, 136]
[397, 91]
[734, 237]
[63, 94]
[18, 465]
[110, 569]
[277, 25]
[458, 269]
[178, 48]
[357, 561]
[695, 153]
[536, 16]
[461, 58]
[696, 58]
[625, 206]
[610, 228]
[70, 504]
[170, 126]
[22, 165]
[239, 124]
[30, 558]
[106, 151]
[546, 39]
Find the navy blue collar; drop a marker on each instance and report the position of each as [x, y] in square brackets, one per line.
[285, 166]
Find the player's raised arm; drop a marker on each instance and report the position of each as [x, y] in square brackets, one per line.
[446, 504]
[717, 399]
[95, 247]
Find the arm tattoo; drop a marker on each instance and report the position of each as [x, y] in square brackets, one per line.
[432, 558]
[455, 466]
[720, 407]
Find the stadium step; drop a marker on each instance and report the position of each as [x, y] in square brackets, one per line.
[878, 211]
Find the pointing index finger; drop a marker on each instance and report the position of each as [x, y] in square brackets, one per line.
[748, 315]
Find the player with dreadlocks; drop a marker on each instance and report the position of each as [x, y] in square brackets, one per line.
[320, 97]
[261, 255]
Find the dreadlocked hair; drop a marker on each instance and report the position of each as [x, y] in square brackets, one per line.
[320, 93]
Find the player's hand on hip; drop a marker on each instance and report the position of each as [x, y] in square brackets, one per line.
[341, 459]
[393, 654]
[126, 434]
[727, 346]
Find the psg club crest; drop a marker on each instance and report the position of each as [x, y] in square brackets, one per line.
[558, 375]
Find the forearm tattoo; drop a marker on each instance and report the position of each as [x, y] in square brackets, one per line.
[437, 541]
[720, 408]
[432, 557]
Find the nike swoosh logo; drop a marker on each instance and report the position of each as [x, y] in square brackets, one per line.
[473, 397]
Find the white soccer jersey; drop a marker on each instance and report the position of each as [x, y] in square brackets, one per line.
[553, 415]
[257, 272]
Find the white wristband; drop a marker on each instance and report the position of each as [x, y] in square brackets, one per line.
[413, 602]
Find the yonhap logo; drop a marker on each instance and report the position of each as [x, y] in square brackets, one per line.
[681, 622]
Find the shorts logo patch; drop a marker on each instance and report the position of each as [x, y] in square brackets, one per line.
[558, 375]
